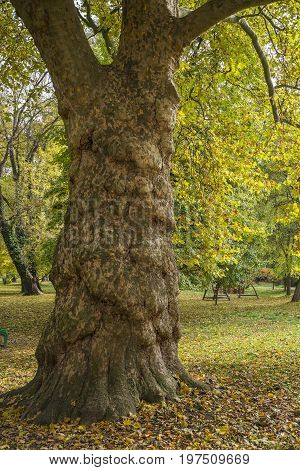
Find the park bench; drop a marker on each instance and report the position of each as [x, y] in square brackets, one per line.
[4, 333]
[243, 293]
[218, 293]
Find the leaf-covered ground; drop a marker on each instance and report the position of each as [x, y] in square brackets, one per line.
[248, 349]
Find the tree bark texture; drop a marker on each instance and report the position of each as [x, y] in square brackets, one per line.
[296, 296]
[115, 274]
[112, 338]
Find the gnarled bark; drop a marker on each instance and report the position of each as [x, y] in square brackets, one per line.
[112, 338]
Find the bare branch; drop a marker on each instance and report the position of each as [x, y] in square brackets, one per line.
[6, 201]
[271, 21]
[38, 139]
[290, 123]
[286, 85]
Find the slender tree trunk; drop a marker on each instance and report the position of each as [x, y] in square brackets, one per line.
[30, 283]
[296, 296]
[288, 284]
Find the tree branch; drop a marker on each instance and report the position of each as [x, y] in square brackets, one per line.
[271, 21]
[90, 23]
[286, 85]
[59, 36]
[6, 201]
[38, 139]
[208, 15]
[263, 60]
[290, 123]
[266, 69]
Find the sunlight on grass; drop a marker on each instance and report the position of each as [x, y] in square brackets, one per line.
[247, 349]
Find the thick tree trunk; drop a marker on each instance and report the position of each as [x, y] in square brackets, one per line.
[296, 296]
[112, 339]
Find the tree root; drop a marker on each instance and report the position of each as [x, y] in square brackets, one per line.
[191, 382]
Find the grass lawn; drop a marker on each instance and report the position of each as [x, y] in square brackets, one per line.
[248, 349]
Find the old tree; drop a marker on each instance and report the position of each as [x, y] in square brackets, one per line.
[112, 338]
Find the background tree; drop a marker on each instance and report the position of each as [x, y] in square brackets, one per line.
[26, 117]
[282, 203]
[222, 171]
[26, 120]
